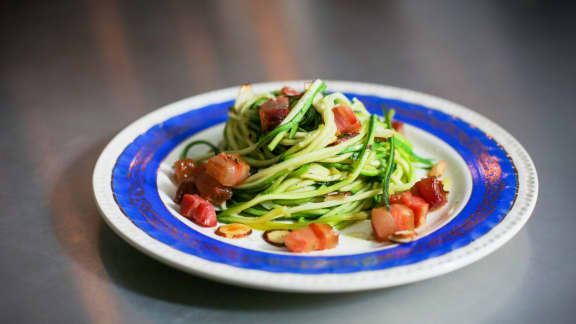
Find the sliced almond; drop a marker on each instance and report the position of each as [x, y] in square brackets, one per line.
[276, 237]
[244, 95]
[403, 236]
[234, 230]
[438, 169]
[381, 133]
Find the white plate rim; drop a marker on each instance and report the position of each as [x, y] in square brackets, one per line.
[517, 216]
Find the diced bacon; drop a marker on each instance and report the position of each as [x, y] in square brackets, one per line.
[212, 190]
[302, 240]
[197, 171]
[189, 205]
[432, 190]
[418, 205]
[346, 120]
[316, 236]
[273, 112]
[205, 215]
[198, 210]
[228, 169]
[420, 208]
[398, 126]
[183, 169]
[327, 237]
[199, 181]
[385, 223]
[188, 186]
[289, 92]
[399, 198]
[404, 217]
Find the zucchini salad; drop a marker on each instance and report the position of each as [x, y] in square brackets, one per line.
[302, 165]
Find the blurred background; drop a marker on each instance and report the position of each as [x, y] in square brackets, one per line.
[74, 73]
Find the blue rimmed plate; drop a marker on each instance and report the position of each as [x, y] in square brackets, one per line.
[493, 190]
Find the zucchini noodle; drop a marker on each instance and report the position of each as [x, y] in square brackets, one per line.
[302, 172]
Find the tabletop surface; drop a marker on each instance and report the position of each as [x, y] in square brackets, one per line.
[75, 73]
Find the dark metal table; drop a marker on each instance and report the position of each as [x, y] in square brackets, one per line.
[74, 73]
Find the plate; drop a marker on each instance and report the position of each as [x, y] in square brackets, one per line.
[493, 191]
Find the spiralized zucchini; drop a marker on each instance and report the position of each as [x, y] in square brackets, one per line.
[300, 175]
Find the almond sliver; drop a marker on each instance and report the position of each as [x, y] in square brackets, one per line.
[234, 230]
[276, 237]
[403, 236]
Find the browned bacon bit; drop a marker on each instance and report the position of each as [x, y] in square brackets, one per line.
[228, 169]
[432, 190]
[198, 181]
[346, 120]
[398, 126]
[183, 169]
[273, 112]
[276, 103]
[343, 138]
[212, 190]
[289, 92]
[197, 171]
[186, 187]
